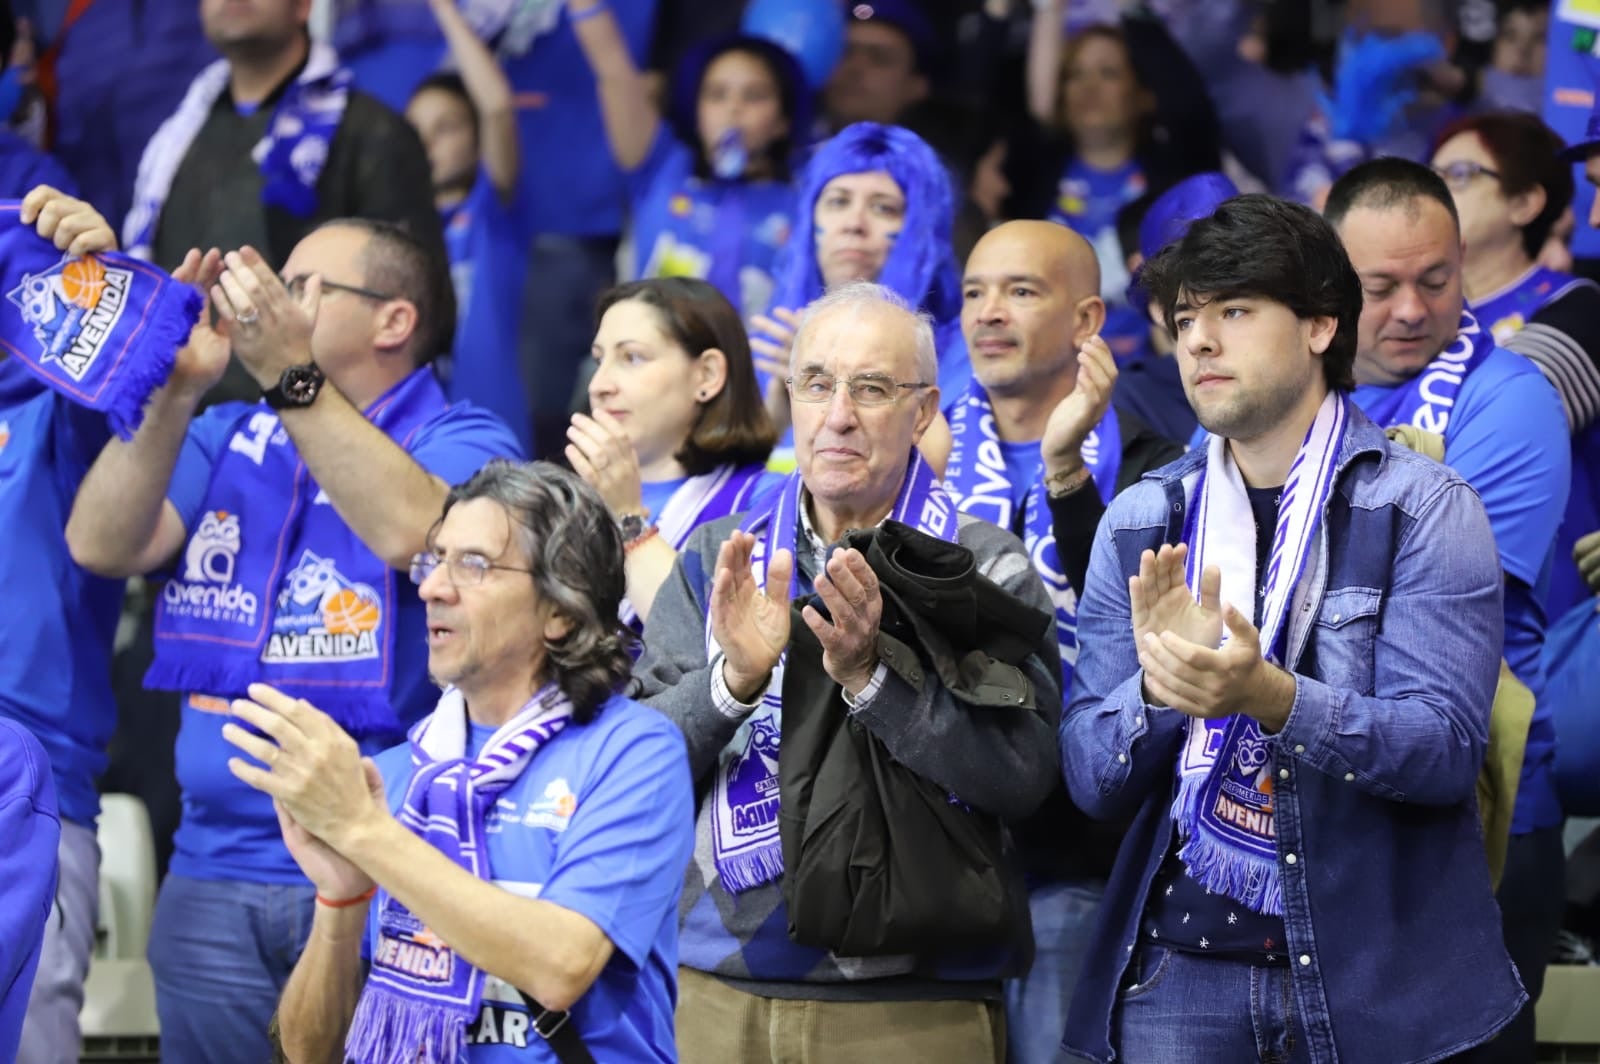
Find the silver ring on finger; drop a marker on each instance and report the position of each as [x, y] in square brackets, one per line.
[248, 316]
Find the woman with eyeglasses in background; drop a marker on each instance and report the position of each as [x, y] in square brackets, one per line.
[677, 434]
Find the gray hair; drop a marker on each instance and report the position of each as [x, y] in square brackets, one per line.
[574, 547]
[859, 295]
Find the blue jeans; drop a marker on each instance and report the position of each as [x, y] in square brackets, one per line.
[1036, 1004]
[1175, 1006]
[221, 951]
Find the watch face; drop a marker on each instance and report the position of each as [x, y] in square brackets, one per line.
[300, 384]
[632, 527]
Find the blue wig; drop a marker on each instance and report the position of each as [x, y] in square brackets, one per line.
[921, 265]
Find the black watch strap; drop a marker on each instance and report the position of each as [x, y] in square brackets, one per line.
[298, 386]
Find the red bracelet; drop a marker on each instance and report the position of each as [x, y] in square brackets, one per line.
[643, 537]
[357, 900]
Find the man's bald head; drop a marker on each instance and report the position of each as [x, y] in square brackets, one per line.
[1030, 298]
[1048, 248]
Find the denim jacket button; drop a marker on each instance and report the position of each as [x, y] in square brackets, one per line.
[1283, 773]
[1138, 722]
[1305, 960]
[1290, 858]
[1122, 759]
[1338, 617]
[1349, 777]
[1299, 749]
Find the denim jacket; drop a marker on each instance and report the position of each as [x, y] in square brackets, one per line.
[1394, 634]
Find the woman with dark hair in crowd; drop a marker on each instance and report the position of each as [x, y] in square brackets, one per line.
[881, 209]
[1511, 184]
[677, 435]
[1128, 113]
[709, 186]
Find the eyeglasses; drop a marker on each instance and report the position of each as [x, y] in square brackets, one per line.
[1459, 174]
[297, 288]
[866, 389]
[465, 570]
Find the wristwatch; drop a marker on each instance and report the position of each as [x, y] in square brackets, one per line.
[633, 527]
[298, 386]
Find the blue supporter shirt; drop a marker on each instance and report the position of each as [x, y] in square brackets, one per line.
[30, 838]
[483, 235]
[656, 495]
[572, 185]
[228, 830]
[24, 167]
[1507, 437]
[601, 823]
[1087, 202]
[1023, 463]
[55, 641]
[725, 232]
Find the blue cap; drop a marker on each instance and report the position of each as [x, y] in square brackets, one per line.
[905, 16]
[1171, 215]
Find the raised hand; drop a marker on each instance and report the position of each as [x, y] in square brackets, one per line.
[68, 223]
[749, 623]
[268, 328]
[770, 353]
[204, 359]
[1205, 682]
[849, 589]
[1077, 415]
[335, 877]
[1162, 601]
[1586, 552]
[601, 453]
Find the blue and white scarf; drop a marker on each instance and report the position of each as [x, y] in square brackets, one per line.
[724, 490]
[274, 587]
[744, 791]
[976, 476]
[291, 155]
[102, 330]
[421, 994]
[1428, 399]
[1223, 810]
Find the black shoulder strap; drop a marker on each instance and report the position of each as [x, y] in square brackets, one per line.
[558, 1032]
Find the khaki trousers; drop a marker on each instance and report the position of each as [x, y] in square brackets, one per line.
[717, 1024]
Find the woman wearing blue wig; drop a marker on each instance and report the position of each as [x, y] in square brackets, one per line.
[709, 190]
[881, 209]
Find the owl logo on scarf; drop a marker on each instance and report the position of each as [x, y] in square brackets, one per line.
[72, 307]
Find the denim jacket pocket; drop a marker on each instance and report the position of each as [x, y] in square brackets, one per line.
[1344, 638]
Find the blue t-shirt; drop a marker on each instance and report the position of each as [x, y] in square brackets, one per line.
[1087, 202]
[24, 167]
[30, 837]
[571, 185]
[55, 639]
[601, 823]
[229, 830]
[655, 496]
[1023, 463]
[726, 232]
[1507, 437]
[488, 263]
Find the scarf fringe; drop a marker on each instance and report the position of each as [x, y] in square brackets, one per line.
[172, 317]
[746, 871]
[389, 1029]
[1251, 880]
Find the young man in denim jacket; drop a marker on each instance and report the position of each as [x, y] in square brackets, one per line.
[1300, 741]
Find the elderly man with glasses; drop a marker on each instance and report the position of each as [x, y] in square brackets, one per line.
[768, 608]
[284, 528]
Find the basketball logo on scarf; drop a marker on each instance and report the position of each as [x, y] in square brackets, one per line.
[207, 589]
[322, 616]
[72, 308]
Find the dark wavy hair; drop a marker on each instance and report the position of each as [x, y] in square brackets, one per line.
[574, 549]
[1263, 247]
[732, 426]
